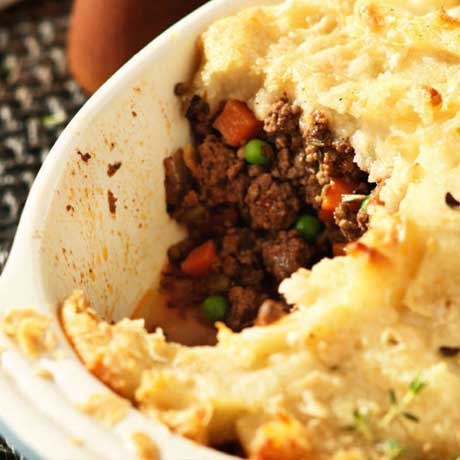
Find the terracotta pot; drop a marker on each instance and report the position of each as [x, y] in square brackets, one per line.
[104, 34]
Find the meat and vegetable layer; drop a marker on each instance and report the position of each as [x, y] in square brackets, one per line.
[260, 200]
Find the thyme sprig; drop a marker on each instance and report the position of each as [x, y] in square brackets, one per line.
[391, 448]
[398, 408]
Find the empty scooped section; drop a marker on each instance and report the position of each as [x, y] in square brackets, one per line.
[107, 231]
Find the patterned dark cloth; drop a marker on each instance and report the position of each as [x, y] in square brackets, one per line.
[37, 98]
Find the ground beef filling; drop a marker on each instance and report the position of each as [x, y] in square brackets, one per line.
[243, 216]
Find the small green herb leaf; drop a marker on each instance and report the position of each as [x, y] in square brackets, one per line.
[349, 427]
[417, 385]
[365, 203]
[397, 408]
[393, 397]
[411, 417]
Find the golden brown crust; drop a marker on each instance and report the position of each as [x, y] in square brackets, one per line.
[281, 438]
[116, 354]
[434, 95]
[447, 19]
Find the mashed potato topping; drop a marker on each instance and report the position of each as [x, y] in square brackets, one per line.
[357, 60]
[368, 364]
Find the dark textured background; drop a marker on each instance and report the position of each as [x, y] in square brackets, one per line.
[37, 98]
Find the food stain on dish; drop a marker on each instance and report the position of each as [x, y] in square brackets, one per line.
[112, 200]
[44, 374]
[85, 157]
[76, 441]
[105, 253]
[112, 168]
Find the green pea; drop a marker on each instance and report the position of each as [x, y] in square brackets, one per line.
[253, 152]
[364, 204]
[309, 227]
[215, 308]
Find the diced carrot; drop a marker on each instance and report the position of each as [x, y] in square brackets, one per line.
[326, 216]
[339, 249]
[333, 197]
[200, 260]
[237, 123]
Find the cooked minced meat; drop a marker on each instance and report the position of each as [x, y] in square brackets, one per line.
[240, 259]
[222, 179]
[273, 205]
[245, 304]
[346, 218]
[282, 125]
[250, 221]
[285, 253]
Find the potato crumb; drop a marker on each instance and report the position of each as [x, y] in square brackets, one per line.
[106, 408]
[30, 330]
[76, 441]
[44, 374]
[146, 449]
[59, 354]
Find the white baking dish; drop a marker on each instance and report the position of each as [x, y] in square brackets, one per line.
[68, 238]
